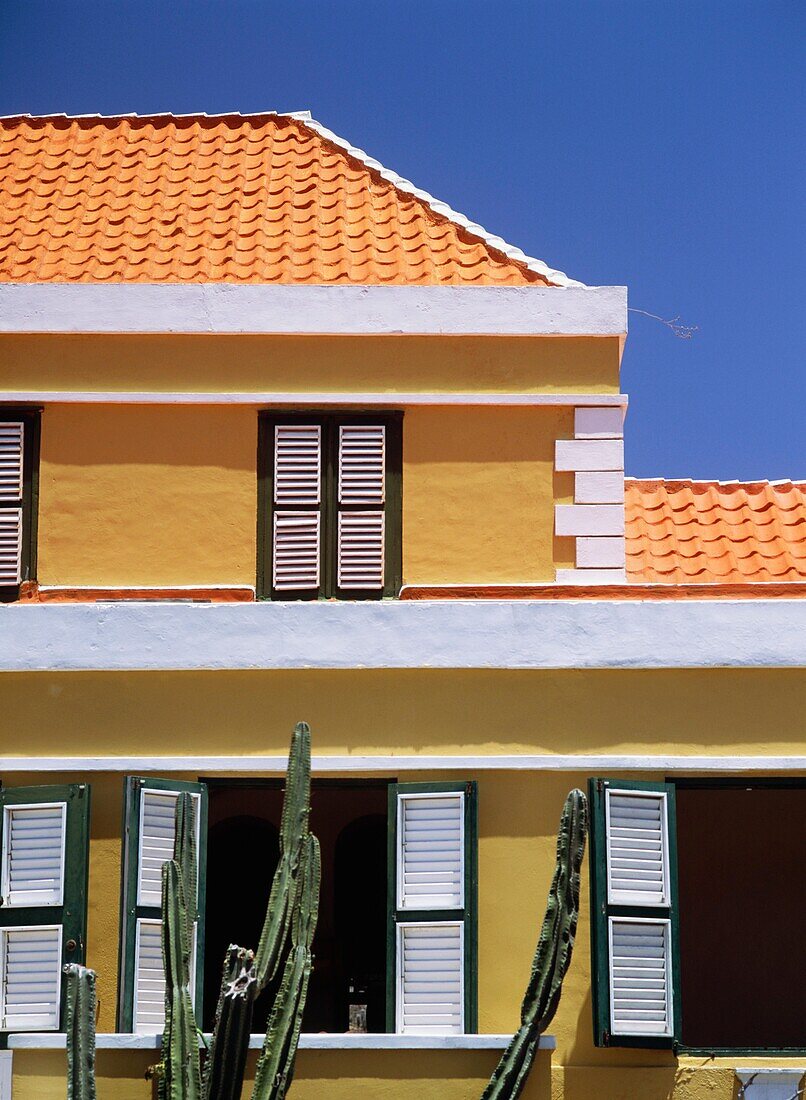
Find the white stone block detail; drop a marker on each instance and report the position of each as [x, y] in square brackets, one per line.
[599, 423]
[600, 553]
[591, 576]
[589, 454]
[599, 487]
[588, 519]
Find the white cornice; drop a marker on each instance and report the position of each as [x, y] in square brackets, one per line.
[277, 309]
[518, 634]
[310, 400]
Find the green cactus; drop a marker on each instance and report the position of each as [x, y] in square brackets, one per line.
[293, 837]
[224, 1069]
[80, 1026]
[275, 1068]
[552, 957]
[179, 1070]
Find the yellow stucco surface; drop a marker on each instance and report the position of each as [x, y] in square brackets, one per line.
[299, 364]
[167, 495]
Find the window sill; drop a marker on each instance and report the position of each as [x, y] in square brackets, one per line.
[111, 1041]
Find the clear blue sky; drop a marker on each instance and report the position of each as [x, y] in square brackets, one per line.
[657, 144]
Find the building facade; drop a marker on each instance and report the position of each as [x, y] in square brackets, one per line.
[284, 438]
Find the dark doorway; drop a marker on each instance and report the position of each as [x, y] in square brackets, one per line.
[350, 944]
[742, 888]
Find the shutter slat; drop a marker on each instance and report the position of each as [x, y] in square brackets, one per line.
[12, 445]
[33, 854]
[637, 848]
[362, 449]
[148, 1013]
[156, 841]
[30, 973]
[640, 981]
[360, 550]
[10, 545]
[431, 979]
[297, 463]
[296, 550]
[431, 857]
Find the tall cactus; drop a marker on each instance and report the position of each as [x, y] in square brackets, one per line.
[552, 957]
[224, 1070]
[179, 1072]
[293, 837]
[275, 1068]
[80, 1032]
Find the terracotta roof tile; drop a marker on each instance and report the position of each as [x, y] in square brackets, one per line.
[710, 532]
[261, 198]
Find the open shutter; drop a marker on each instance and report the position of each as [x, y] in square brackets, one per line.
[432, 909]
[12, 450]
[297, 495]
[44, 849]
[634, 936]
[148, 840]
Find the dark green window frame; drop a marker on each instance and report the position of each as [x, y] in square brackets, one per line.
[72, 913]
[131, 911]
[468, 915]
[330, 422]
[29, 502]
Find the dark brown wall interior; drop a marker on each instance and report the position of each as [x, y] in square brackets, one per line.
[742, 881]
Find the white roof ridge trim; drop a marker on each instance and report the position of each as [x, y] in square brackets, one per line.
[557, 278]
[716, 481]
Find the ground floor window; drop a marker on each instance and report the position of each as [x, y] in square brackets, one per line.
[698, 895]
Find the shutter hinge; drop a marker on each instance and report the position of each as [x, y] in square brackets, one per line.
[606, 1038]
[600, 785]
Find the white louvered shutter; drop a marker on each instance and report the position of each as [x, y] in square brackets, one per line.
[149, 977]
[12, 443]
[640, 976]
[361, 528]
[633, 904]
[156, 843]
[637, 848]
[297, 499]
[434, 902]
[30, 978]
[431, 851]
[430, 978]
[33, 854]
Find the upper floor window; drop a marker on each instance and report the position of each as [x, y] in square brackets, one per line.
[19, 439]
[329, 518]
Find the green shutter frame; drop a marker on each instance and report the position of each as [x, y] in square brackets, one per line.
[72, 913]
[130, 911]
[329, 507]
[468, 915]
[602, 909]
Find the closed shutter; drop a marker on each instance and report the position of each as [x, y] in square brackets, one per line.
[634, 914]
[329, 518]
[432, 909]
[148, 842]
[44, 841]
[12, 450]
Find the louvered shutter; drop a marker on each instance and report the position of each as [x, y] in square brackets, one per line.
[634, 913]
[44, 840]
[12, 450]
[147, 844]
[297, 508]
[433, 909]
[361, 535]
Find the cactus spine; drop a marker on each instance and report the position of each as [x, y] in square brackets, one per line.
[80, 1032]
[275, 1068]
[179, 1073]
[293, 837]
[552, 957]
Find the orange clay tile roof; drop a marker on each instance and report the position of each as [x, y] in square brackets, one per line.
[711, 532]
[261, 199]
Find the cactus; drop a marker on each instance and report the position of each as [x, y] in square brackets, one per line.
[224, 1070]
[80, 1032]
[179, 1071]
[552, 957]
[293, 837]
[275, 1068]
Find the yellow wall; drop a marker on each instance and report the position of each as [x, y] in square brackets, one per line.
[167, 495]
[295, 364]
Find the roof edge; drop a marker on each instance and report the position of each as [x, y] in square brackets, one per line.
[556, 278]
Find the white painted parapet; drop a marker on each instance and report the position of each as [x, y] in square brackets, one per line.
[596, 518]
[770, 1083]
